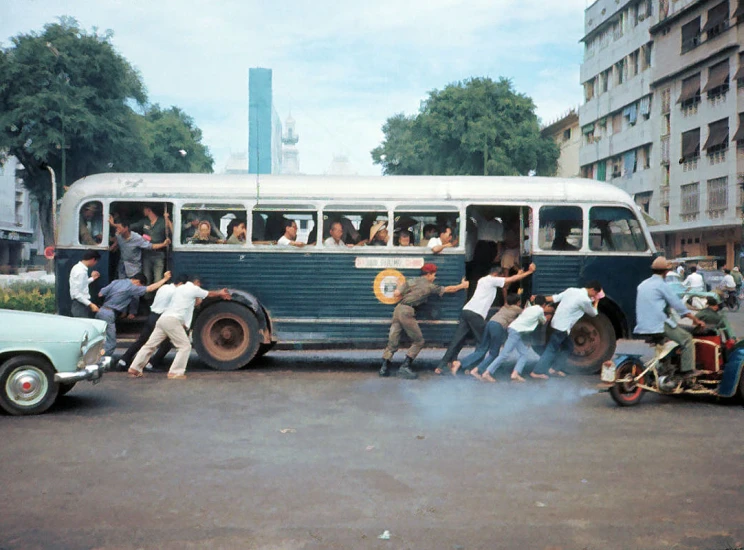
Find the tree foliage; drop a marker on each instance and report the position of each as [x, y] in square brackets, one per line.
[67, 97]
[476, 127]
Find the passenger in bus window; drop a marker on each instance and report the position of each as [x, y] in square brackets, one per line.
[378, 234]
[290, 235]
[91, 224]
[437, 244]
[562, 232]
[204, 234]
[335, 240]
[190, 226]
[236, 229]
[404, 238]
[430, 232]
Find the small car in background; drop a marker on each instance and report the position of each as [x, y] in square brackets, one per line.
[43, 356]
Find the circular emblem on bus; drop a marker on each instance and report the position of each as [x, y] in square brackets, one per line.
[385, 284]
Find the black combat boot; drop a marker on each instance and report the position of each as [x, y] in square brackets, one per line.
[385, 368]
[405, 370]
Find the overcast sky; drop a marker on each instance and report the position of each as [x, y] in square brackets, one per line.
[341, 67]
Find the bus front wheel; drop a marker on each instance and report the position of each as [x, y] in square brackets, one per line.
[594, 342]
[226, 336]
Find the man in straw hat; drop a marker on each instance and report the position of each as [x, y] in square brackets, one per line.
[378, 235]
[653, 298]
[412, 294]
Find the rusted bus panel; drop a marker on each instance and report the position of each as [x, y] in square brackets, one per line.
[300, 290]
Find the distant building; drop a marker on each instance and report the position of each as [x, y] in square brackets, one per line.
[290, 154]
[340, 166]
[264, 125]
[17, 219]
[663, 113]
[237, 163]
[565, 132]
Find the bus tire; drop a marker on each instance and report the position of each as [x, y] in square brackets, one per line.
[594, 343]
[226, 336]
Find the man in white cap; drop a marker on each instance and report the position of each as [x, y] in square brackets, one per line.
[652, 300]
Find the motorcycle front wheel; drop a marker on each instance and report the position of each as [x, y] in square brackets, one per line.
[628, 393]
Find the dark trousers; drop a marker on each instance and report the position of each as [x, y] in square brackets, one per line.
[559, 347]
[147, 330]
[470, 323]
[78, 309]
[493, 338]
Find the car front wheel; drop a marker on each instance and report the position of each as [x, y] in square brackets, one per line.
[27, 385]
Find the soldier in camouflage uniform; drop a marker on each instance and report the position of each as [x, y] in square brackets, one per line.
[412, 294]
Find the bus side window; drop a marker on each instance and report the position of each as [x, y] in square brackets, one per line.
[368, 227]
[613, 228]
[560, 228]
[271, 225]
[416, 228]
[91, 223]
[213, 224]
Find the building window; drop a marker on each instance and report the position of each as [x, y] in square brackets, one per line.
[666, 100]
[646, 56]
[617, 167]
[718, 17]
[718, 195]
[739, 135]
[634, 64]
[646, 156]
[690, 146]
[589, 89]
[605, 79]
[566, 134]
[643, 200]
[718, 81]
[620, 72]
[690, 95]
[690, 199]
[617, 123]
[739, 76]
[690, 35]
[717, 142]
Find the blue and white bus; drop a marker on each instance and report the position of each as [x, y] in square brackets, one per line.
[574, 230]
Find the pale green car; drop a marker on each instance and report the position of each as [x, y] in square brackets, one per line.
[43, 356]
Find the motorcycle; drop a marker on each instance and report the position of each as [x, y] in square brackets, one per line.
[627, 377]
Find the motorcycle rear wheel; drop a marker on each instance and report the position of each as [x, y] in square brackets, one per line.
[627, 394]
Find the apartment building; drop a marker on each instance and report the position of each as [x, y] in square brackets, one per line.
[664, 95]
[566, 133]
[699, 80]
[616, 123]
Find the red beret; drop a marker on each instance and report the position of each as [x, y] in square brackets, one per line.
[428, 268]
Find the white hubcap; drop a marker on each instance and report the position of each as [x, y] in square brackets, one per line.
[26, 386]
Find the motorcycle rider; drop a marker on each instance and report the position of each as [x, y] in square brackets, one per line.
[727, 285]
[653, 298]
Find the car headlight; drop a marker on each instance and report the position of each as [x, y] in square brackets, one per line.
[84, 342]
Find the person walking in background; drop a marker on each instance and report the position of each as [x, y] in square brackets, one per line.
[81, 305]
[117, 295]
[412, 294]
[573, 304]
[473, 316]
[173, 324]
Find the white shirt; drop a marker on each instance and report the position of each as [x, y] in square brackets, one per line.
[182, 302]
[79, 281]
[162, 298]
[695, 281]
[573, 303]
[434, 241]
[489, 229]
[728, 282]
[680, 270]
[331, 243]
[484, 295]
[284, 241]
[529, 319]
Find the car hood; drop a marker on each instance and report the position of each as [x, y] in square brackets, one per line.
[44, 327]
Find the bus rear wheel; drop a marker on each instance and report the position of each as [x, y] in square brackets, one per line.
[594, 343]
[226, 336]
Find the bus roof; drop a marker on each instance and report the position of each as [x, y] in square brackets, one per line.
[321, 188]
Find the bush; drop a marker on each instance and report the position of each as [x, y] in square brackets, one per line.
[28, 296]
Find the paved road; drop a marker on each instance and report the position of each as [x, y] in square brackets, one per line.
[314, 451]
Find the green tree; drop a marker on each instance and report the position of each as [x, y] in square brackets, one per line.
[476, 127]
[67, 100]
[173, 142]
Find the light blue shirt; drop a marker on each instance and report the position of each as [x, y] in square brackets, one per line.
[652, 300]
[119, 293]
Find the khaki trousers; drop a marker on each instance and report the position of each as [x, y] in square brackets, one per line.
[404, 319]
[171, 328]
[684, 339]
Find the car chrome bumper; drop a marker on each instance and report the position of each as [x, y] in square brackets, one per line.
[92, 373]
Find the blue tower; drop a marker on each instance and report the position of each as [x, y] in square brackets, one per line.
[260, 123]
